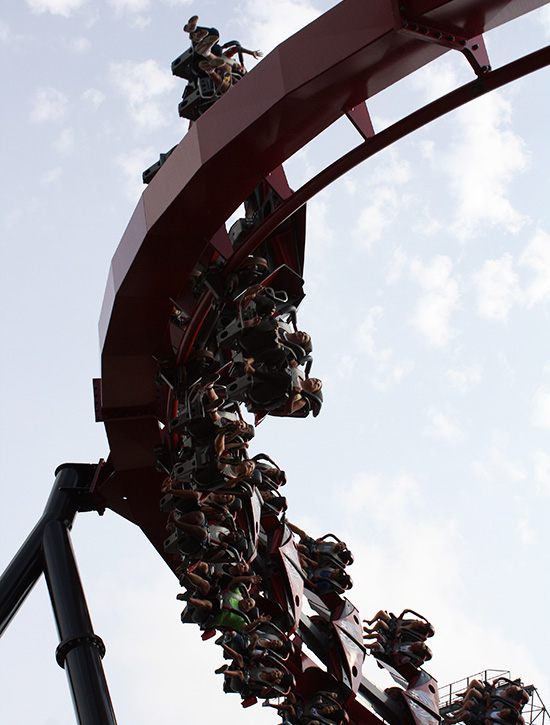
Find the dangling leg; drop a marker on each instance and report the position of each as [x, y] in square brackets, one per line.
[201, 584]
[190, 524]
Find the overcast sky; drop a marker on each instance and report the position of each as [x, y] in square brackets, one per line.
[428, 291]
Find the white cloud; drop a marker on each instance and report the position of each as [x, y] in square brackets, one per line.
[525, 532]
[498, 283]
[66, 141]
[497, 467]
[141, 84]
[436, 79]
[433, 311]
[11, 219]
[51, 176]
[497, 288]
[396, 266]
[132, 165]
[541, 412]
[399, 533]
[443, 427]
[271, 23]
[130, 6]
[432, 276]
[425, 225]
[139, 22]
[134, 9]
[49, 105]
[365, 336]
[506, 370]
[395, 170]
[375, 218]
[385, 375]
[301, 167]
[55, 7]
[386, 500]
[350, 185]
[536, 257]
[482, 159]
[385, 371]
[395, 506]
[80, 45]
[544, 16]
[464, 378]
[385, 200]
[345, 367]
[401, 369]
[4, 31]
[319, 227]
[541, 468]
[496, 154]
[93, 97]
[541, 463]
[427, 149]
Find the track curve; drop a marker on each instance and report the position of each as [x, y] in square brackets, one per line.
[301, 88]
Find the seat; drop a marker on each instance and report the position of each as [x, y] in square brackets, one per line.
[200, 363]
[149, 173]
[191, 417]
[200, 92]
[197, 99]
[227, 337]
[182, 66]
[242, 390]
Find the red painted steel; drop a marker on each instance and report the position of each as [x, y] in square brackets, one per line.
[447, 103]
[349, 54]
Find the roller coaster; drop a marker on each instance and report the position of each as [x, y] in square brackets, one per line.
[199, 323]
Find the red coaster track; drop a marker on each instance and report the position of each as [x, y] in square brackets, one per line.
[327, 70]
[311, 80]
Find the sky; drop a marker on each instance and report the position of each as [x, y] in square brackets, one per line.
[428, 297]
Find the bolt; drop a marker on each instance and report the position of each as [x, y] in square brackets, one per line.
[451, 38]
[414, 26]
[462, 42]
[437, 34]
[475, 46]
[404, 24]
[425, 30]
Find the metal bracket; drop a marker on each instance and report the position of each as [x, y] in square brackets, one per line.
[473, 48]
[360, 117]
[67, 645]
[278, 182]
[222, 243]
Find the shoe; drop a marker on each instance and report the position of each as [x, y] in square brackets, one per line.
[221, 669]
[191, 24]
[199, 35]
[205, 44]
[216, 62]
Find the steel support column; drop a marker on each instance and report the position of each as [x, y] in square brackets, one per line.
[80, 651]
[26, 566]
[48, 549]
